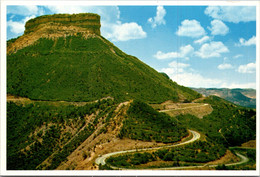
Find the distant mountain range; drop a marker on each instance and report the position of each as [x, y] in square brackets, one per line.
[242, 97]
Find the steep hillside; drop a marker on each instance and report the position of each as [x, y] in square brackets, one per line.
[55, 135]
[228, 123]
[73, 97]
[242, 97]
[55, 60]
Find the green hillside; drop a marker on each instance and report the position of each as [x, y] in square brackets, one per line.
[79, 69]
[145, 123]
[228, 123]
[73, 97]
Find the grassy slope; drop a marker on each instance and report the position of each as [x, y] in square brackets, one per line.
[77, 69]
[144, 123]
[35, 131]
[227, 124]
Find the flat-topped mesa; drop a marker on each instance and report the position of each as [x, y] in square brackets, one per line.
[87, 22]
[56, 26]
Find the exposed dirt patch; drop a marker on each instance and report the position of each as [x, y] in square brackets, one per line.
[24, 101]
[229, 157]
[174, 109]
[250, 144]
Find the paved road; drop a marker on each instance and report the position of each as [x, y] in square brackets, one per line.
[101, 160]
[196, 136]
[166, 110]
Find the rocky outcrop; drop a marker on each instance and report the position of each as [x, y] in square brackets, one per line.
[88, 21]
[55, 26]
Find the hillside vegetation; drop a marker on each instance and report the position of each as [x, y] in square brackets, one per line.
[227, 124]
[76, 68]
[37, 131]
[144, 123]
[73, 97]
[192, 154]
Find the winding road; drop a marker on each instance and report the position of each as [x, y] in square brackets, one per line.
[102, 159]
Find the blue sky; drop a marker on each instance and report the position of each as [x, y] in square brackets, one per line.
[197, 46]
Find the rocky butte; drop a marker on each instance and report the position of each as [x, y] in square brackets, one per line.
[64, 57]
[54, 26]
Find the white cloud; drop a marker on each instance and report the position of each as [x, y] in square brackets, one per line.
[184, 75]
[233, 14]
[238, 56]
[161, 56]
[202, 40]
[212, 49]
[248, 68]
[190, 28]
[175, 68]
[127, 31]
[178, 67]
[185, 52]
[218, 28]
[243, 42]
[111, 26]
[239, 85]
[18, 27]
[224, 66]
[191, 79]
[159, 18]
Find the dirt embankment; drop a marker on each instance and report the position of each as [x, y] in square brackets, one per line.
[174, 109]
[83, 158]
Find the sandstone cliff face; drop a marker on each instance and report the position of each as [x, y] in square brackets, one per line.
[90, 22]
[55, 26]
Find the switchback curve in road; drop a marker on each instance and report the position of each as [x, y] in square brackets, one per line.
[101, 159]
[196, 136]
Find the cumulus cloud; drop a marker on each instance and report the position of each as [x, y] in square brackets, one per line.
[112, 27]
[178, 67]
[159, 18]
[175, 68]
[191, 79]
[212, 49]
[109, 14]
[184, 75]
[233, 14]
[126, 31]
[249, 42]
[218, 28]
[190, 28]
[238, 56]
[18, 27]
[185, 52]
[202, 40]
[224, 66]
[239, 85]
[248, 68]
